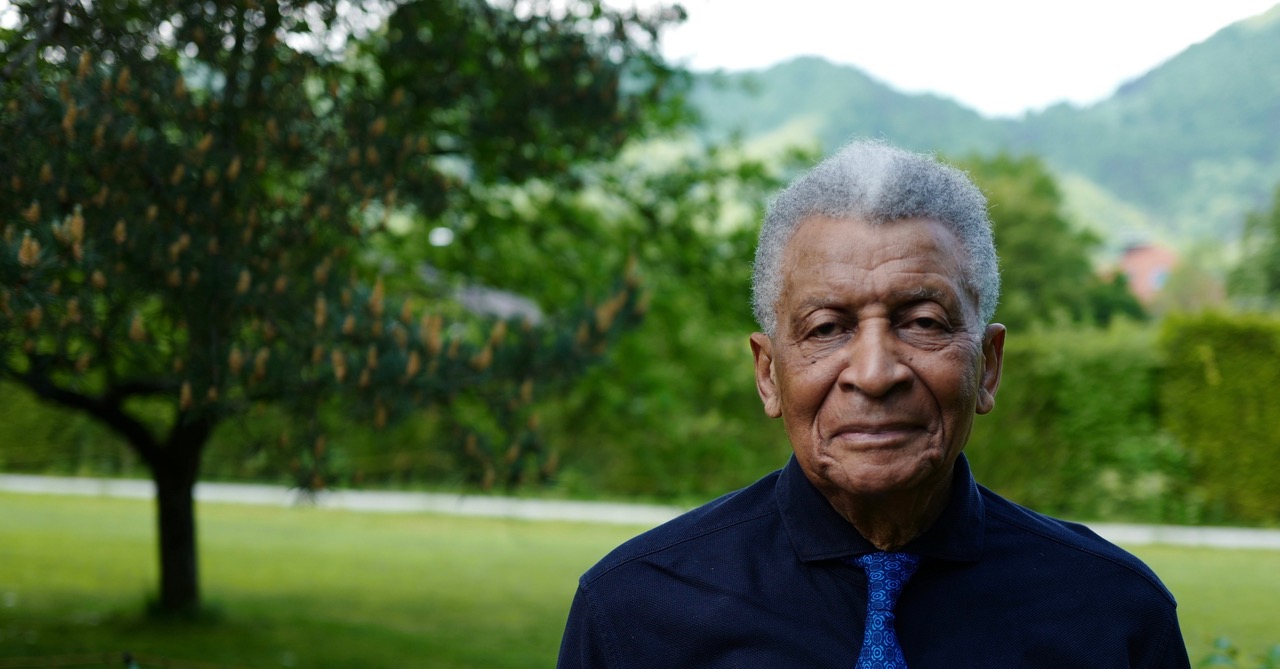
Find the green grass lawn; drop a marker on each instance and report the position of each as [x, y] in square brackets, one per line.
[322, 588]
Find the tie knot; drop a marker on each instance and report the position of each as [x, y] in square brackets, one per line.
[886, 574]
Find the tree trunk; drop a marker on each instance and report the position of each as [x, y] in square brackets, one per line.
[174, 465]
[176, 535]
[175, 470]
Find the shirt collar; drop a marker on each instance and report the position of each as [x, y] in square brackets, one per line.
[817, 532]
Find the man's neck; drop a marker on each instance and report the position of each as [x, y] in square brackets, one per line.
[889, 522]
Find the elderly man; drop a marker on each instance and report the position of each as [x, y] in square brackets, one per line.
[875, 284]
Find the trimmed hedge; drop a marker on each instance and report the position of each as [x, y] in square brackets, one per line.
[1220, 397]
[1075, 430]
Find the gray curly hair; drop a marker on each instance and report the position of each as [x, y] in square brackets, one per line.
[878, 183]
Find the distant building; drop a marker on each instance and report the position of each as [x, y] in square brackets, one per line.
[1147, 268]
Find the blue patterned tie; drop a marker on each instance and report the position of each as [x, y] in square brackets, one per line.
[886, 574]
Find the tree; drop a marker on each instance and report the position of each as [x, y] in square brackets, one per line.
[1257, 277]
[1046, 272]
[192, 188]
[673, 410]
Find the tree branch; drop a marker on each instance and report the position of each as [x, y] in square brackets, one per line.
[233, 66]
[263, 52]
[105, 410]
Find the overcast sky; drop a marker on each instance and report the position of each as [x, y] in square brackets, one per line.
[1001, 57]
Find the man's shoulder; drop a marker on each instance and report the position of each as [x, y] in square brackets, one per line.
[1070, 547]
[707, 529]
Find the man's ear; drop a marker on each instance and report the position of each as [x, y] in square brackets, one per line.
[766, 382]
[992, 365]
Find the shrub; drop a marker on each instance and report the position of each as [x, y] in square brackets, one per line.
[1218, 398]
[1075, 429]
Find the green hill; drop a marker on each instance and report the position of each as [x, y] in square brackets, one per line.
[1195, 141]
[841, 102]
[1178, 154]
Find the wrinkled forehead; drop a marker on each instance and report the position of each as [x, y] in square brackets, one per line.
[919, 242]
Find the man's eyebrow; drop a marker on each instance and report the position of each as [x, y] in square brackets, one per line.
[819, 301]
[921, 293]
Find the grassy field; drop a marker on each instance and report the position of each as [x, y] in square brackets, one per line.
[321, 588]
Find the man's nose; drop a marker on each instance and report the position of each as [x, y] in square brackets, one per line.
[873, 365]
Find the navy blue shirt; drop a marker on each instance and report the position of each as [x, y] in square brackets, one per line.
[763, 578]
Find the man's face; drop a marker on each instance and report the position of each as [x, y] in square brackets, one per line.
[879, 361]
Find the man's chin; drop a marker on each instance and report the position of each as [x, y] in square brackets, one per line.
[874, 475]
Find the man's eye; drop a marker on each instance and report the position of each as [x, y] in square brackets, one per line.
[927, 323]
[825, 330]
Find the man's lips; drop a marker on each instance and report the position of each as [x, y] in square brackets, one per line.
[876, 434]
